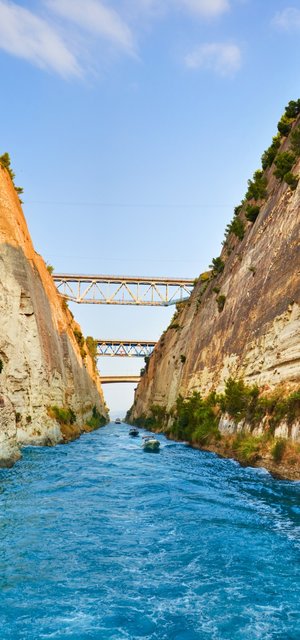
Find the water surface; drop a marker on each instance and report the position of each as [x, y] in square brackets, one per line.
[101, 541]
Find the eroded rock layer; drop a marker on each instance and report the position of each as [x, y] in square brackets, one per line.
[41, 361]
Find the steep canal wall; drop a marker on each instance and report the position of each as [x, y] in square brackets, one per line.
[242, 322]
[50, 391]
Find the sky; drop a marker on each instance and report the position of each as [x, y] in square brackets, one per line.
[133, 127]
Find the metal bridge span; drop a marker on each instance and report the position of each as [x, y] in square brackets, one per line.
[125, 348]
[122, 290]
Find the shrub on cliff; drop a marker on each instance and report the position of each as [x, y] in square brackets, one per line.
[269, 155]
[278, 450]
[62, 415]
[97, 420]
[1, 365]
[295, 141]
[5, 163]
[291, 180]
[284, 125]
[92, 347]
[221, 302]
[257, 187]
[284, 163]
[252, 212]
[195, 419]
[217, 265]
[293, 109]
[236, 227]
[239, 400]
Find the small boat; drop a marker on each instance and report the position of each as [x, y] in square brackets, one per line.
[150, 443]
[134, 432]
[118, 421]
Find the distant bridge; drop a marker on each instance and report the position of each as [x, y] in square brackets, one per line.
[125, 348]
[122, 290]
[117, 379]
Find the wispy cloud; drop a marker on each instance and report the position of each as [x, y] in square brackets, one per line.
[95, 17]
[28, 36]
[205, 8]
[288, 19]
[223, 59]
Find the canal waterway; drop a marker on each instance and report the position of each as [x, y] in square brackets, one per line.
[100, 540]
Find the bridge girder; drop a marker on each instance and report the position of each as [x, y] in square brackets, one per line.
[125, 348]
[123, 290]
[119, 379]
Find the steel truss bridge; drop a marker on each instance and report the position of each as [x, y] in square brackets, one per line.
[125, 348]
[141, 291]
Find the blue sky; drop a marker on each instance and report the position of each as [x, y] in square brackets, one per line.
[133, 126]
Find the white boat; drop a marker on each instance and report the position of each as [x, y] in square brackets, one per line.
[118, 421]
[150, 443]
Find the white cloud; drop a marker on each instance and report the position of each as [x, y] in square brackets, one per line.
[288, 19]
[96, 18]
[205, 8]
[224, 59]
[27, 36]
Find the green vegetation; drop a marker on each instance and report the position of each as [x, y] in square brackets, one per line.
[236, 227]
[291, 180]
[257, 187]
[1, 365]
[247, 447]
[269, 155]
[220, 302]
[295, 141]
[155, 421]
[62, 415]
[278, 450]
[252, 212]
[97, 420]
[182, 358]
[284, 163]
[50, 268]
[195, 420]
[217, 265]
[293, 109]
[80, 341]
[284, 125]
[92, 347]
[5, 163]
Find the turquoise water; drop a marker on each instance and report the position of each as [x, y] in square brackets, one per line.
[100, 540]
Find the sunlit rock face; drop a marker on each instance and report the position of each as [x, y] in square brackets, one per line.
[40, 359]
[256, 336]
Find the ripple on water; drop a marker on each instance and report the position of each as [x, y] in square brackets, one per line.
[101, 541]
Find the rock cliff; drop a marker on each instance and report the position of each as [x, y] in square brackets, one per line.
[242, 320]
[49, 387]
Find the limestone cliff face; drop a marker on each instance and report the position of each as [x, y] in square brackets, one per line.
[41, 361]
[256, 336]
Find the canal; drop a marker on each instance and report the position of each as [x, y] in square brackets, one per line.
[102, 541]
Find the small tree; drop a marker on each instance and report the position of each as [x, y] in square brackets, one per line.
[257, 187]
[252, 212]
[236, 227]
[217, 265]
[295, 141]
[284, 163]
